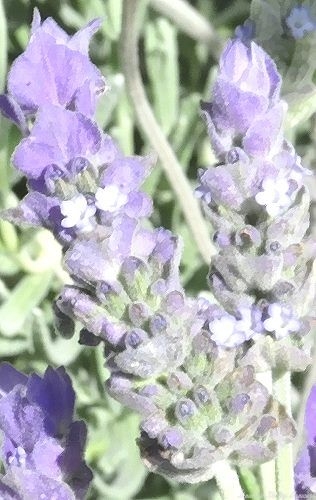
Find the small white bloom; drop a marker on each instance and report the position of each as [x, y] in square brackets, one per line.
[281, 321]
[77, 213]
[274, 195]
[300, 22]
[110, 198]
[228, 331]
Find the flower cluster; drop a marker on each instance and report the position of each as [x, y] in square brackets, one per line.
[42, 446]
[258, 203]
[171, 358]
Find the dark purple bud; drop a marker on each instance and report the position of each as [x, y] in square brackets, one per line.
[201, 395]
[135, 337]
[171, 438]
[275, 247]
[185, 409]
[158, 324]
[233, 155]
[238, 403]
[78, 164]
[103, 289]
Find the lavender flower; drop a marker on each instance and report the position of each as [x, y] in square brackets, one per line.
[246, 93]
[55, 69]
[42, 446]
[72, 169]
[300, 21]
[305, 476]
[259, 205]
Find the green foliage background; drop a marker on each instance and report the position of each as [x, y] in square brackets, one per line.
[178, 72]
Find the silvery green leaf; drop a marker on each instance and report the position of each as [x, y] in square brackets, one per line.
[25, 296]
[162, 65]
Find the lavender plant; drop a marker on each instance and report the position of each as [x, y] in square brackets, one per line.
[42, 446]
[188, 366]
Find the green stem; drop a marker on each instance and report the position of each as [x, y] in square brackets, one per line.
[132, 9]
[284, 460]
[267, 470]
[227, 481]
[307, 387]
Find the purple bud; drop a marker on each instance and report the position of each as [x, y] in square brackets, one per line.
[171, 438]
[174, 301]
[158, 324]
[238, 403]
[135, 337]
[185, 409]
[201, 395]
[78, 165]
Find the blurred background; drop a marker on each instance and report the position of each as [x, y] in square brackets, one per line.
[177, 71]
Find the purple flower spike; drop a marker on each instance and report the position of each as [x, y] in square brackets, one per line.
[305, 468]
[247, 87]
[55, 69]
[42, 447]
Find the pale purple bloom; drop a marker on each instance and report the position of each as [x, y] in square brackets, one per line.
[281, 321]
[230, 331]
[274, 195]
[300, 21]
[77, 213]
[246, 93]
[55, 69]
[42, 446]
[110, 198]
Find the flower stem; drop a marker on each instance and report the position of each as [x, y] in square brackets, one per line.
[151, 129]
[284, 460]
[267, 470]
[227, 481]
